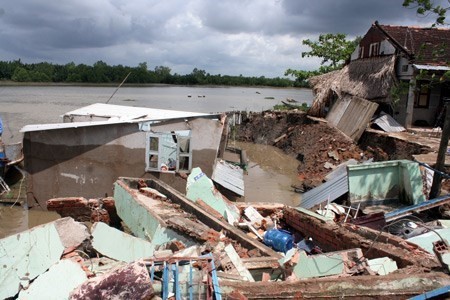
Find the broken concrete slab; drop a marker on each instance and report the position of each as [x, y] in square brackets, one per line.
[253, 215]
[131, 281]
[200, 187]
[382, 265]
[392, 286]
[426, 240]
[330, 236]
[100, 265]
[26, 255]
[118, 245]
[444, 223]
[193, 251]
[138, 212]
[71, 233]
[329, 264]
[144, 216]
[57, 283]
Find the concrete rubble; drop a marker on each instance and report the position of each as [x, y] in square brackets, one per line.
[128, 282]
[364, 226]
[174, 240]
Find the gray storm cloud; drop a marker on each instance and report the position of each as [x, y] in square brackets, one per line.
[233, 37]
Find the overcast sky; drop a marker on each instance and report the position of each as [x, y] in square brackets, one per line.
[248, 37]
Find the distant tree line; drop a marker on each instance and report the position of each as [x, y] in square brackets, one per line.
[101, 72]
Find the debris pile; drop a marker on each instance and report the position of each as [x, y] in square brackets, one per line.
[318, 147]
[203, 245]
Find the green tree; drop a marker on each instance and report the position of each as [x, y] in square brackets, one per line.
[301, 77]
[100, 71]
[21, 74]
[333, 49]
[162, 74]
[426, 7]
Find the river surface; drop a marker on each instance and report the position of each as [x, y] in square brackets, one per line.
[25, 105]
[270, 175]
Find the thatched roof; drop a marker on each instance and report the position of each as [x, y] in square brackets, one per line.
[370, 79]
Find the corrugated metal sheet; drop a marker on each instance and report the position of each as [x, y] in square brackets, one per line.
[333, 189]
[229, 176]
[388, 124]
[130, 113]
[118, 115]
[341, 169]
[351, 115]
[39, 127]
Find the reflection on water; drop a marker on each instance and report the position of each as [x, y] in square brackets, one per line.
[270, 175]
[14, 219]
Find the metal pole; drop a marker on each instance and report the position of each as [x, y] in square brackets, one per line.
[440, 161]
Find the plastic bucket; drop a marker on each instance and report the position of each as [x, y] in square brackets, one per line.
[280, 240]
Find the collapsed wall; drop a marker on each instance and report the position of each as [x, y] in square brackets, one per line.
[331, 236]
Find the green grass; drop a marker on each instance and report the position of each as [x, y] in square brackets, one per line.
[303, 107]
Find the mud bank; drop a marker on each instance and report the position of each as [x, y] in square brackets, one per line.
[318, 147]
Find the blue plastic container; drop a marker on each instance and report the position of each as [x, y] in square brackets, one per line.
[2, 156]
[280, 240]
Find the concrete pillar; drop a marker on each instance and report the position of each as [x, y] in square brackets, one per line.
[410, 103]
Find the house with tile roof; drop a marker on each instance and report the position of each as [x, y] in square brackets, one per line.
[400, 67]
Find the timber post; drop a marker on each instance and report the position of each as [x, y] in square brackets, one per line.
[440, 161]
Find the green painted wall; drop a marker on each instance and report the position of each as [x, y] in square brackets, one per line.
[397, 179]
[141, 221]
[200, 187]
[319, 265]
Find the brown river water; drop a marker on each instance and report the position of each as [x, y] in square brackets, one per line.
[270, 172]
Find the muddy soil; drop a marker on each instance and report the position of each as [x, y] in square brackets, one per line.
[317, 146]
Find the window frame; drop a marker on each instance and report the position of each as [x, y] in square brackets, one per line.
[374, 49]
[361, 52]
[159, 136]
[420, 92]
